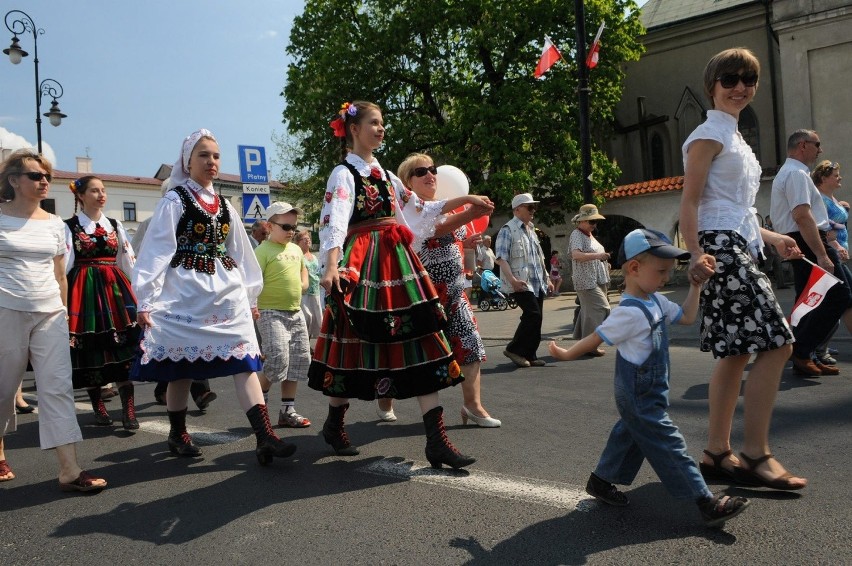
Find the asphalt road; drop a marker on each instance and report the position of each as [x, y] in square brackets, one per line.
[521, 503]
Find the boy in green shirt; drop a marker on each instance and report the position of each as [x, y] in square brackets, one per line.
[283, 331]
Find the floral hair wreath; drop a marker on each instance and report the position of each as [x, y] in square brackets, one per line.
[75, 186]
[338, 124]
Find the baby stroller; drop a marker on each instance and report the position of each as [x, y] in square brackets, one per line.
[491, 296]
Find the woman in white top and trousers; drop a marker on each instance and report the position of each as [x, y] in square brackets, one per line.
[32, 306]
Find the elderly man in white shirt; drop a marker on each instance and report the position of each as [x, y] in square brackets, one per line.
[797, 209]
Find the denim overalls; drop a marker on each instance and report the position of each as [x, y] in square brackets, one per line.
[645, 429]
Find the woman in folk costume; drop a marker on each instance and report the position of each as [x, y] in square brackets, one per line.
[197, 281]
[101, 304]
[381, 332]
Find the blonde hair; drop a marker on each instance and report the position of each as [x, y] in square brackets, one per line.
[405, 171]
[823, 171]
[14, 165]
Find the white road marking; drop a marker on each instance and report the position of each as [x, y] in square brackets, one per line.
[200, 435]
[554, 494]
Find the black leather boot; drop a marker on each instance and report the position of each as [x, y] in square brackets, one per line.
[335, 433]
[439, 449]
[128, 409]
[102, 417]
[180, 443]
[268, 444]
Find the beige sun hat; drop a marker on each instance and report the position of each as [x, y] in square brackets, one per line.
[588, 212]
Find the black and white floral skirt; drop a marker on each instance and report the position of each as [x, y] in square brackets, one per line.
[739, 312]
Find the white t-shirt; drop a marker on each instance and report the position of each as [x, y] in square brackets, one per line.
[27, 250]
[627, 329]
[792, 187]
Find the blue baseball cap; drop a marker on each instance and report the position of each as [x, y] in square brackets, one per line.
[644, 240]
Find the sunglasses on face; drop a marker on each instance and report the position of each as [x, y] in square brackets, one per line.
[37, 176]
[816, 143]
[285, 227]
[592, 222]
[421, 171]
[730, 80]
[531, 207]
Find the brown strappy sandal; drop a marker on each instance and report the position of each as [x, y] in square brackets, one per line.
[744, 474]
[716, 471]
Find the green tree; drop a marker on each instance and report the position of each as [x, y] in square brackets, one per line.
[454, 79]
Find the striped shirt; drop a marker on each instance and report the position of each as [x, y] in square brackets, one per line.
[27, 250]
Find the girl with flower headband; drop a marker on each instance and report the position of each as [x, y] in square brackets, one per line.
[101, 304]
[381, 333]
[197, 280]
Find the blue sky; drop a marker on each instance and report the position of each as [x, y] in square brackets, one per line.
[139, 76]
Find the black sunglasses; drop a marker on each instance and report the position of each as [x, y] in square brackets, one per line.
[803, 141]
[730, 80]
[37, 176]
[531, 207]
[421, 171]
[285, 227]
[592, 222]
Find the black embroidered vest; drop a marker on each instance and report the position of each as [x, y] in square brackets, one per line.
[373, 196]
[100, 245]
[201, 235]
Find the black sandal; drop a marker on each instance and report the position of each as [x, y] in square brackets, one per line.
[744, 475]
[716, 471]
[719, 508]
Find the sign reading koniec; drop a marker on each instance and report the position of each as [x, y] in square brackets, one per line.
[255, 178]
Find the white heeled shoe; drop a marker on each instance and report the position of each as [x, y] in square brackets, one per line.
[484, 422]
[386, 416]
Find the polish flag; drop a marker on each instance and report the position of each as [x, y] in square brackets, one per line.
[592, 58]
[818, 285]
[549, 56]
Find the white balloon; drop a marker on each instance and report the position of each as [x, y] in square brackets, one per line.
[452, 183]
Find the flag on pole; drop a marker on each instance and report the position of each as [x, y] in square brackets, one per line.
[819, 282]
[592, 58]
[549, 56]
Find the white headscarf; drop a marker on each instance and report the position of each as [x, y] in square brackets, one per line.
[180, 170]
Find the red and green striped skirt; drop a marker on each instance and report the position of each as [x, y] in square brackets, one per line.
[382, 337]
[102, 323]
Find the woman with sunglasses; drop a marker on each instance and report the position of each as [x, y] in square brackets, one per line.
[101, 304]
[197, 280]
[589, 273]
[33, 291]
[740, 315]
[441, 256]
[382, 326]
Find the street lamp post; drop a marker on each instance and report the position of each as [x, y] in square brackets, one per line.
[21, 23]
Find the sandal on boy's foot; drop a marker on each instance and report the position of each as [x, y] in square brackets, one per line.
[292, 420]
[85, 482]
[719, 508]
[749, 474]
[716, 471]
[6, 473]
[606, 492]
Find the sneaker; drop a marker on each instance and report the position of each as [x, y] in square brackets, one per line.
[386, 416]
[292, 420]
[606, 492]
[719, 508]
[826, 359]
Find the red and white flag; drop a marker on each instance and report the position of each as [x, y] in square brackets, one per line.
[818, 285]
[549, 56]
[592, 57]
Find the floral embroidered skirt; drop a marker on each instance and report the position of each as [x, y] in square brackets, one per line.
[383, 336]
[739, 312]
[102, 323]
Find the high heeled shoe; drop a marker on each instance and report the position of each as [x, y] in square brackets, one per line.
[484, 422]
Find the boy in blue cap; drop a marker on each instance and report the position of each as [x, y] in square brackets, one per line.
[637, 327]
